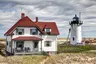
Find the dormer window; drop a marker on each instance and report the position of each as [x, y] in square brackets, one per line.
[20, 31]
[48, 30]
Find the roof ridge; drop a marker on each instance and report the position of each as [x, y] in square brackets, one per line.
[19, 23]
[45, 22]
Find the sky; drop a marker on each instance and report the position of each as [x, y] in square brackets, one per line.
[59, 11]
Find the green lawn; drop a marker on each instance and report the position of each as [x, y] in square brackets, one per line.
[75, 49]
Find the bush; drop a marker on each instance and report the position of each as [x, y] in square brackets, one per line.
[44, 53]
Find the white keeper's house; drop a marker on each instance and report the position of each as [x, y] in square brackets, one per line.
[31, 37]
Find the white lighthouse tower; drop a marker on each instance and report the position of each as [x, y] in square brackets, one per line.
[76, 38]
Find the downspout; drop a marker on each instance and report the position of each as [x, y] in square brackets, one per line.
[11, 43]
[41, 44]
[6, 45]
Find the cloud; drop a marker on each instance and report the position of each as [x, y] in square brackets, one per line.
[60, 11]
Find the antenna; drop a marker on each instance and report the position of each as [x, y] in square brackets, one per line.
[79, 16]
[21, 10]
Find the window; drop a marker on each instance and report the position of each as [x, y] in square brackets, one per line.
[20, 31]
[35, 44]
[74, 19]
[73, 39]
[48, 30]
[34, 31]
[7, 42]
[47, 43]
[20, 44]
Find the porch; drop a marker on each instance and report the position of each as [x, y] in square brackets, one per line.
[26, 46]
[26, 50]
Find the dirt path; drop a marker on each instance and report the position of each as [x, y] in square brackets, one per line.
[43, 62]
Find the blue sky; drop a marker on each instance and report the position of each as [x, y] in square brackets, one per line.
[60, 11]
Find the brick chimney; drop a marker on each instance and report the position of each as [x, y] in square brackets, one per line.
[22, 15]
[36, 19]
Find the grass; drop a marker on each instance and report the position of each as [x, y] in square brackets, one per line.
[20, 59]
[72, 58]
[24, 59]
[33, 59]
[75, 49]
[68, 54]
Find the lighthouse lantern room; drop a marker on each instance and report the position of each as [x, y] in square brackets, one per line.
[76, 37]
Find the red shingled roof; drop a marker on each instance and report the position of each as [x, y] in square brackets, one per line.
[24, 22]
[27, 22]
[27, 38]
[51, 25]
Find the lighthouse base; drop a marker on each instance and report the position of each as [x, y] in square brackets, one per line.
[80, 43]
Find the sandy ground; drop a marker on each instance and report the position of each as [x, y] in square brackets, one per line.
[24, 59]
[63, 58]
[10, 60]
[72, 58]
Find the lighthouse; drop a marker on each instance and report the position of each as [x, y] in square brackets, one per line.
[76, 37]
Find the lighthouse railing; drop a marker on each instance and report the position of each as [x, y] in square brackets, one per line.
[74, 22]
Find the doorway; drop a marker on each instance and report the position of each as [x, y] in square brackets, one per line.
[35, 45]
[19, 45]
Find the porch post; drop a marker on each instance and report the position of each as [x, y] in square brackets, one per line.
[11, 46]
[41, 46]
[14, 46]
[6, 44]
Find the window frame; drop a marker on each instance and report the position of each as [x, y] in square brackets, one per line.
[48, 43]
[17, 31]
[49, 30]
[34, 33]
[73, 38]
[7, 43]
[18, 43]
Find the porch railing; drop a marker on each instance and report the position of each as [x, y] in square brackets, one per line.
[25, 49]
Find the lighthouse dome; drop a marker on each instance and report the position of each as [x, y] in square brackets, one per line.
[75, 18]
